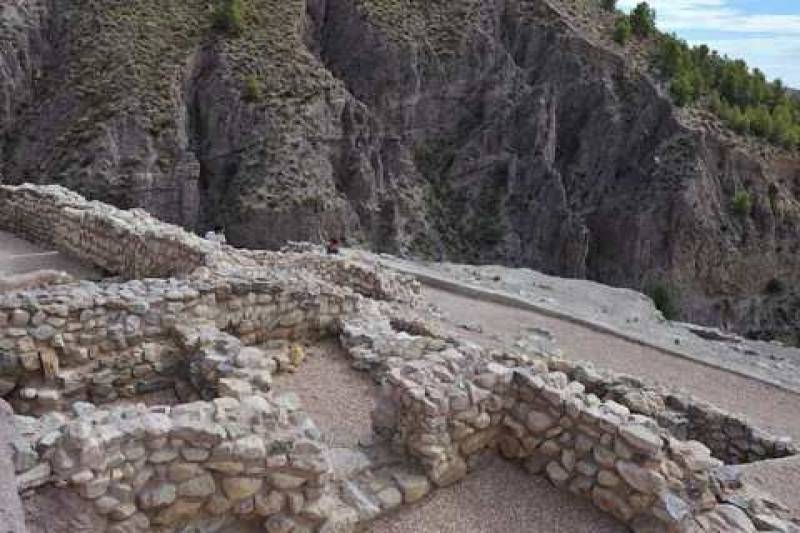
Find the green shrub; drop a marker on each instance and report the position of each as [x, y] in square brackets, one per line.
[760, 121]
[643, 20]
[252, 90]
[741, 203]
[672, 55]
[665, 300]
[682, 90]
[609, 5]
[228, 17]
[774, 286]
[622, 30]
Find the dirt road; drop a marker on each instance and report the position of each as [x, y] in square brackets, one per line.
[771, 408]
[18, 256]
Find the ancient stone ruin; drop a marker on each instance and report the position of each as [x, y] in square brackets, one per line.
[150, 396]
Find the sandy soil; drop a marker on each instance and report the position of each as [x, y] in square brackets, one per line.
[18, 256]
[780, 478]
[769, 407]
[499, 498]
[340, 400]
[337, 397]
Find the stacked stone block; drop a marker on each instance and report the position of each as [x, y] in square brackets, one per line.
[103, 341]
[133, 244]
[448, 406]
[369, 279]
[150, 468]
[127, 243]
[730, 436]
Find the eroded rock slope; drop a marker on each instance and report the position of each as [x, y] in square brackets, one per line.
[494, 131]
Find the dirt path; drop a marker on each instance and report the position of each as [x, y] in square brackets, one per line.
[768, 407]
[337, 397]
[500, 498]
[780, 478]
[18, 256]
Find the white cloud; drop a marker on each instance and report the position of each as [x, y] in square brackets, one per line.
[772, 55]
[717, 15]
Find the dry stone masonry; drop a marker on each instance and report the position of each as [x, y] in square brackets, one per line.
[207, 327]
[144, 467]
[128, 243]
[102, 341]
[446, 402]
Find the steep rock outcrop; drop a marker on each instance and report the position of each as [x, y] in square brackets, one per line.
[495, 131]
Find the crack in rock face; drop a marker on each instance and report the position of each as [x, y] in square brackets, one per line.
[489, 132]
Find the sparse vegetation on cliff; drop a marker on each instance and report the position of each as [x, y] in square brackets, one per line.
[609, 5]
[623, 30]
[643, 20]
[665, 300]
[252, 90]
[228, 17]
[742, 203]
[742, 97]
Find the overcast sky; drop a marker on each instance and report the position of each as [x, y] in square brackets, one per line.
[765, 33]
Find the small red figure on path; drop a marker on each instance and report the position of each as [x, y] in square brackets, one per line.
[333, 246]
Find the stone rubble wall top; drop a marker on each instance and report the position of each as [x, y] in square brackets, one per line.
[243, 451]
[133, 244]
[445, 402]
[246, 451]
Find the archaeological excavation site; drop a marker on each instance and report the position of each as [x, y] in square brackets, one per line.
[164, 382]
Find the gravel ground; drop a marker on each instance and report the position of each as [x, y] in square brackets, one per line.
[769, 407]
[499, 497]
[18, 256]
[340, 400]
[337, 397]
[622, 310]
[779, 478]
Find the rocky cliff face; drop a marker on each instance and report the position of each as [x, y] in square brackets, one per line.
[486, 131]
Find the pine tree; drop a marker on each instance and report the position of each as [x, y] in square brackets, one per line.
[643, 20]
[622, 30]
[609, 5]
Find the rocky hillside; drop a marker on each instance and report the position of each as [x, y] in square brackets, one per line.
[505, 131]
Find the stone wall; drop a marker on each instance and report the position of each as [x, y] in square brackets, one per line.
[730, 436]
[378, 343]
[144, 468]
[369, 279]
[103, 341]
[133, 244]
[625, 463]
[446, 402]
[246, 452]
[127, 243]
